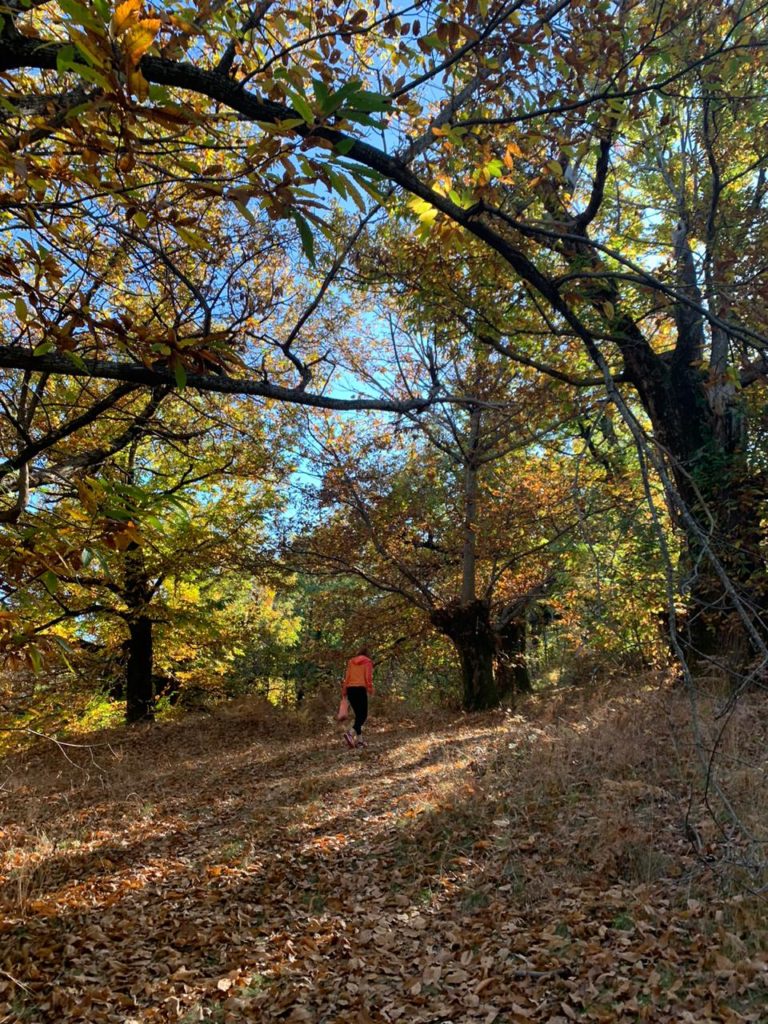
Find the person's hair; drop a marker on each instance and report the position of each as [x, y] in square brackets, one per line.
[364, 650]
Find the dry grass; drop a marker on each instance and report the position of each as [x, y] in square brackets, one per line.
[168, 858]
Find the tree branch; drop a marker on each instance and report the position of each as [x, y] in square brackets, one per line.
[19, 358]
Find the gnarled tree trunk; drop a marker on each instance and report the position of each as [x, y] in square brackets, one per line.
[468, 626]
[512, 675]
[708, 454]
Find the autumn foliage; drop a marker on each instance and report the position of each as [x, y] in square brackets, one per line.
[435, 326]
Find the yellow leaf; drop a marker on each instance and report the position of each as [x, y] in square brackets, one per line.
[425, 211]
[125, 15]
[139, 86]
[192, 238]
[138, 39]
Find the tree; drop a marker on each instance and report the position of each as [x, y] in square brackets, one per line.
[603, 152]
[460, 513]
[116, 541]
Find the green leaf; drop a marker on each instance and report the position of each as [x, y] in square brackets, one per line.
[92, 75]
[432, 42]
[338, 182]
[65, 59]
[287, 124]
[50, 581]
[21, 309]
[180, 374]
[193, 238]
[65, 648]
[43, 347]
[322, 94]
[335, 100]
[245, 212]
[356, 197]
[78, 360]
[372, 192]
[36, 658]
[343, 146]
[301, 106]
[361, 172]
[159, 94]
[61, 642]
[189, 165]
[369, 102]
[425, 211]
[360, 117]
[307, 241]
[81, 14]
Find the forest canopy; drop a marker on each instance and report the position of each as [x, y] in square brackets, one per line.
[439, 325]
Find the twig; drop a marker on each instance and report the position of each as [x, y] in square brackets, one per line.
[61, 744]
[16, 982]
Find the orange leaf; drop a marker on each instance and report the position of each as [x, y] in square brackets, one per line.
[125, 15]
[138, 39]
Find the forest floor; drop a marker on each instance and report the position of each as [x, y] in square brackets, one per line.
[547, 866]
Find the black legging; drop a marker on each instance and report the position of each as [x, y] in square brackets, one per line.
[358, 701]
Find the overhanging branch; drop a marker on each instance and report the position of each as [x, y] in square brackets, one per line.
[18, 358]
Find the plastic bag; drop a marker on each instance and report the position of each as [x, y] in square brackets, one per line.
[343, 713]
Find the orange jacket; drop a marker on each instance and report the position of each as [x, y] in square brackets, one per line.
[359, 673]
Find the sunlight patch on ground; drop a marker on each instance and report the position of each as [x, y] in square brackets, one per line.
[234, 872]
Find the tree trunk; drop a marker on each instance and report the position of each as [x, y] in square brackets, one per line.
[512, 675]
[139, 692]
[715, 483]
[706, 441]
[469, 629]
[471, 486]
[138, 671]
[714, 632]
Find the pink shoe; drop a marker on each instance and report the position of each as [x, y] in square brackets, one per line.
[350, 738]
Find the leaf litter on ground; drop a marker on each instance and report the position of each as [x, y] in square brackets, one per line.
[495, 868]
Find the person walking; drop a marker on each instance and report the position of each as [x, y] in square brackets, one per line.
[357, 687]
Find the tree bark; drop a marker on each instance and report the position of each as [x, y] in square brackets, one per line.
[512, 675]
[469, 629]
[138, 671]
[701, 426]
[729, 510]
[469, 554]
[139, 691]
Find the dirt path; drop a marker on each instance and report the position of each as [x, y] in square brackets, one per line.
[230, 869]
